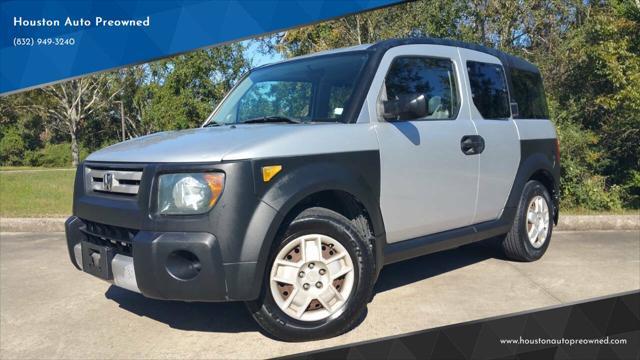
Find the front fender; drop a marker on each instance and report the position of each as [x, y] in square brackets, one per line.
[356, 173]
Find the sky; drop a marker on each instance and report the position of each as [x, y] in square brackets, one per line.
[257, 58]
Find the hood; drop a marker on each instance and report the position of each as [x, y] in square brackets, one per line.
[193, 145]
[238, 142]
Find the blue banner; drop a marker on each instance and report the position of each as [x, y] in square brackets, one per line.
[48, 41]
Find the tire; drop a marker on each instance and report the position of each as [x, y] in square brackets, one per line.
[300, 323]
[517, 244]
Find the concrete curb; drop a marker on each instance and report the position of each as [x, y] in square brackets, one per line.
[599, 222]
[567, 223]
[49, 224]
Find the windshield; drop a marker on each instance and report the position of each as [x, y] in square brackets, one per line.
[317, 89]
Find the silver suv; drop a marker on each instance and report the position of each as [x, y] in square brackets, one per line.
[315, 172]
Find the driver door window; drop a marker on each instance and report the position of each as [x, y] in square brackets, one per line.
[433, 78]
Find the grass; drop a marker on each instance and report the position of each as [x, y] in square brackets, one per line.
[36, 194]
[10, 168]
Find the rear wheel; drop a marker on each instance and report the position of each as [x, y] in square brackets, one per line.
[530, 234]
[318, 279]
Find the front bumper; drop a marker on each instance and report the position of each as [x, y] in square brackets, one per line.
[231, 242]
[167, 265]
[124, 274]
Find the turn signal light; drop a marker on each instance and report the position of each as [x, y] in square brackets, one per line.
[268, 172]
[215, 181]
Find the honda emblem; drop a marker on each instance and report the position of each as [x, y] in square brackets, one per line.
[107, 181]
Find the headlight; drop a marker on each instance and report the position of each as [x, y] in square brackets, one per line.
[189, 193]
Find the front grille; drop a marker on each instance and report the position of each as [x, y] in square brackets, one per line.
[108, 235]
[114, 181]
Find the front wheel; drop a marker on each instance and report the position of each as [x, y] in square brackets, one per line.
[531, 232]
[318, 279]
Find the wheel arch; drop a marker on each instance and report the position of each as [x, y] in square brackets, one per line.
[344, 187]
[368, 219]
[342, 194]
[537, 162]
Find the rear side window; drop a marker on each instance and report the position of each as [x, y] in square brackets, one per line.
[489, 89]
[528, 92]
[432, 77]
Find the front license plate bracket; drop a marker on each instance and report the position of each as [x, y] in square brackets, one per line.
[96, 260]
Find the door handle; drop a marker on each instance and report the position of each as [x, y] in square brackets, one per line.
[472, 144]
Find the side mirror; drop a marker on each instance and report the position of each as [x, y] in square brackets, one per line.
[405, 107]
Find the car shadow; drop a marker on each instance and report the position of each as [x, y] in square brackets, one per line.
[409, 130]
[233, 317]
[230, 317]
[428, 266]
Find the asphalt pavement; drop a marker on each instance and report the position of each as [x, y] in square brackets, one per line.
[48, 309]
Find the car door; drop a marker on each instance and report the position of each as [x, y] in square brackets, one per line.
[490, 111]
[428, 185]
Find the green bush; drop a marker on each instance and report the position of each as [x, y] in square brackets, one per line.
[632, 190]
[12, 148]
[31, 158]
[591, 193]
[581, 186]
[54, 155]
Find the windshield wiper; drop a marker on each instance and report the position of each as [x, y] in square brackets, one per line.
[271, 119]
[212, 124]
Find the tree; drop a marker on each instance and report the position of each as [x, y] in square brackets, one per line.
[70, 104]
[16, 123]
[183, 90]
[11, 147]
[421, 18]
[599, 90]
[136, 98]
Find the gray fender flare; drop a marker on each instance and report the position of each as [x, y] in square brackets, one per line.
[283, 195]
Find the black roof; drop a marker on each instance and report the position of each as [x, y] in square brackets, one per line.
[379, 48]
[506, 59]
